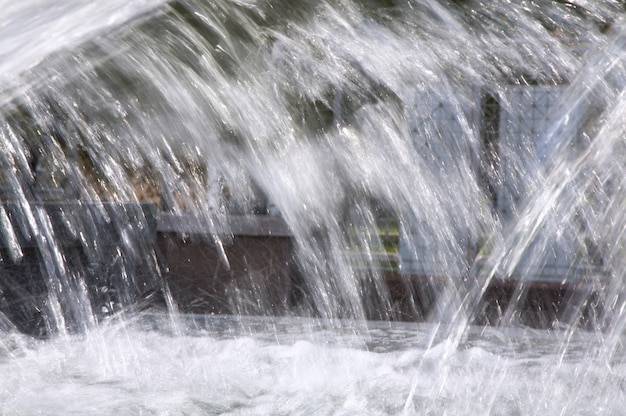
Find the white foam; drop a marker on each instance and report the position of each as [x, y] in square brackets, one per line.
[124, 369]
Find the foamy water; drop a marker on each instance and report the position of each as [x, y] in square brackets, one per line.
[255, 366]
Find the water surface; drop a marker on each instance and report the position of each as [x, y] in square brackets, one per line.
[151, 365]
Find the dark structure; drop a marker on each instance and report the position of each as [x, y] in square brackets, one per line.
[252, 276]
[61, 261]
[77, 262]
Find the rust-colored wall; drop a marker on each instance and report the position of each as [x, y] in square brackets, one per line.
[258, 281]
[263, 280]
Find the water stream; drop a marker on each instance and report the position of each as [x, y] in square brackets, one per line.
[487, 138]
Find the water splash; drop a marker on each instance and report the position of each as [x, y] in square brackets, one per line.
[488, 135]
[322, 108]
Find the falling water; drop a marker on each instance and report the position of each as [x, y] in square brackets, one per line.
[488, 137]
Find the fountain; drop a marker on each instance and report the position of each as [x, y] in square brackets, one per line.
[351, 207]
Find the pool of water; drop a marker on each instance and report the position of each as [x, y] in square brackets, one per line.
[206, 365]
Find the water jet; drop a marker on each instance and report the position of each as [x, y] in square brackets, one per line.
[353, 207]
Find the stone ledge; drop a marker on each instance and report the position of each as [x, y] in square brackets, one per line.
[251, 226]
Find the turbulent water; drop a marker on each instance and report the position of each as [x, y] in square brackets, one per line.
[246, 366]
[489, 134]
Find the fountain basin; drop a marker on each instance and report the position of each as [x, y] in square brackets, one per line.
[122, 251]
[263, 279]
